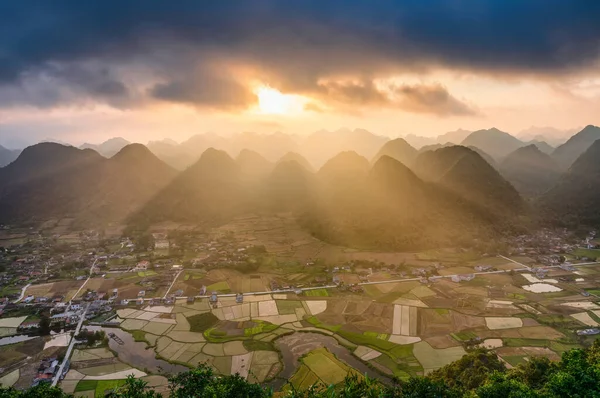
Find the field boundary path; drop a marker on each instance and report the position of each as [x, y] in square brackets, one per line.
[514, 261]
[22, 293]
[172, 284]
[70, 349]
[83, 284]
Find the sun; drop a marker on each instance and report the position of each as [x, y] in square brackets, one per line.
[272, 102]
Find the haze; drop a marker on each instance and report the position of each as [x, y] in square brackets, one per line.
[82, 72]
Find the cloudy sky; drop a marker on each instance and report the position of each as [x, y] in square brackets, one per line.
[148, 69]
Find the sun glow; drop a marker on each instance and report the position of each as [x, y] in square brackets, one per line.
[272, 102]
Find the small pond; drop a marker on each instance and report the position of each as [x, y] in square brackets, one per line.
[135, 353]
[295, 345]
[15, 339]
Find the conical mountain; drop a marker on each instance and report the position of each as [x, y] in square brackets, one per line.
[253, 165]
[531, 171]
[108, 148]
[296, 157]
[46, 159]
[543, 146]
[485, 156]
[210, 189]
[568, 152]
[322, 145]
[346, 166]
[494, 142]
[574, 199]
[53, 181]
[465, 172]
[397, 149]
[395, 209]
[290, 186]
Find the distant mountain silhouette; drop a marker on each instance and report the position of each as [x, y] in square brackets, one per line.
[393, 208]
[494, 142]
[485, 156]
[54, 181]
[568, 152]
[345, 167]
[531, 171]
[210, 189]
[551, 135]
[466, 173]
[322, 145]
[397, 149]
[289, 187]
[433, 147]
[7, 156]
[296, 157]
[108, 148]
[542, 146]
[573, 201]
[418, 142]
[453, 137]
[253, 165]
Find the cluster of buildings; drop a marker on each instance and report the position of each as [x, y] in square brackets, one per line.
[48, 370]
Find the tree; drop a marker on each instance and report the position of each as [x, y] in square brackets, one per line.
[203, 383]
[44, 325]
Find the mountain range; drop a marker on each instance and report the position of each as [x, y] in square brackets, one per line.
[50, 180]
[391, 196]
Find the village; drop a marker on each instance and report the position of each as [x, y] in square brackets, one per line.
[52, 286]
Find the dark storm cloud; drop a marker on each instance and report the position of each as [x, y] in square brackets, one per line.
[292, 43]
[431, 99]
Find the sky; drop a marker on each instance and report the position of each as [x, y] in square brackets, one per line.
[85, 71]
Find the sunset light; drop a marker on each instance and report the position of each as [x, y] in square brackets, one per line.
[272, 102]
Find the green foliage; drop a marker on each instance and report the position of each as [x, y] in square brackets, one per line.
[203, 383]
[44, 326]
[470, 371]
[255, 345]
[477, 374]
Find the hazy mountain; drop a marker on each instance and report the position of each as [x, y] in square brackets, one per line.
[551, 135]
[296, 157]
[531, 171]
[108, 148]
[485, 156]
[253, 165]
[197, 144]
[213, 188]
[397, 149]
[574, 199]
[322, 145]
[172, 154]
[346, 168]
[418, 142]
[391, 208]
[542, 146]
[453, 137]
[432, 147]
[8, 155]
[53, 181]
[271, 146]
[466, 173]
[494, 142]
[568, 152]
[289, 187]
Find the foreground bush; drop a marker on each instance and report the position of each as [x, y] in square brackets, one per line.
[478, 374]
